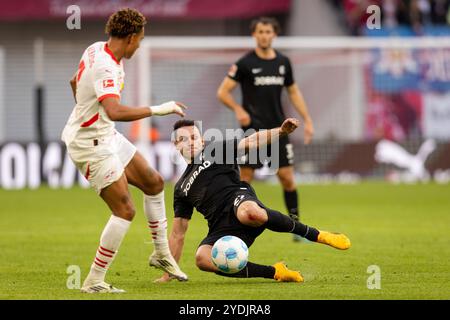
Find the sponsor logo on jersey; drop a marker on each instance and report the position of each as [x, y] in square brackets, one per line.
[282, 70]
[256, 70]
[269, 81]
[108, 83]
[203, 166]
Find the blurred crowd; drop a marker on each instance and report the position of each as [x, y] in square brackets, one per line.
[414, 13]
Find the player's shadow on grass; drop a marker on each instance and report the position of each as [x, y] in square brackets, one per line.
[243, 282]
[201, 282]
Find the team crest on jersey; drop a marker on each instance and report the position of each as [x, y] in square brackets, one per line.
[282, 69]
[121, 82]
[233, 70]
[108, 83]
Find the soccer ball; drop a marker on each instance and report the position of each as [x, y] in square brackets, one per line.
[229, 254]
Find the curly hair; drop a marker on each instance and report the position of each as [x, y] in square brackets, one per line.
[125, 22]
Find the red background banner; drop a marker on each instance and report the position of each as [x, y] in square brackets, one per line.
[182, 9]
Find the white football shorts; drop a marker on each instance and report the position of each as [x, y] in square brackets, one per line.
[102, 161]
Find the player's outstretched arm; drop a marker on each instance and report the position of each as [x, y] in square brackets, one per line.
[264, 137]
[176, 242]
[299, 104]
[118, 112]
[176, 238]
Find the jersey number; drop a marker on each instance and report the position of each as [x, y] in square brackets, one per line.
[289, 151]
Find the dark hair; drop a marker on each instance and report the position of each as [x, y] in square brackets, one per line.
[183, 123]
[265, 20]
[125, 22]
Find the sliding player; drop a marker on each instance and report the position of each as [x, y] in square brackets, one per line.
[211, 184]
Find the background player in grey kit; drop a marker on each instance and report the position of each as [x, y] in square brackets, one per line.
[262, 74]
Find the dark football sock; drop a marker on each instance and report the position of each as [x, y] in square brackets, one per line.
[251, 270]
[279, 222]
[291, 202]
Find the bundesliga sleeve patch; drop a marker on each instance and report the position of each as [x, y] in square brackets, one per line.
[108, 83]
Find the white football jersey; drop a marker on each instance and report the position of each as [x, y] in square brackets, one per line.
[99, 76]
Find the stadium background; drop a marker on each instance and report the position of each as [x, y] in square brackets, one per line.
[354, 101]
[357, 92]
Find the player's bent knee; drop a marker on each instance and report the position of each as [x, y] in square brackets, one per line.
[127, 213]
[154, 185]
[126, 210]
[203, 262]
[251, 214]
[130, 213]
[257, 218]
[159, 184]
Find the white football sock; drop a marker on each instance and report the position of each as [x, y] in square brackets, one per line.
[155, 211]
[110, 241]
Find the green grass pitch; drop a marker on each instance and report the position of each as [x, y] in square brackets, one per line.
[404, 229]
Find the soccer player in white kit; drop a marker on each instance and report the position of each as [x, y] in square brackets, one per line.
[106, 158]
